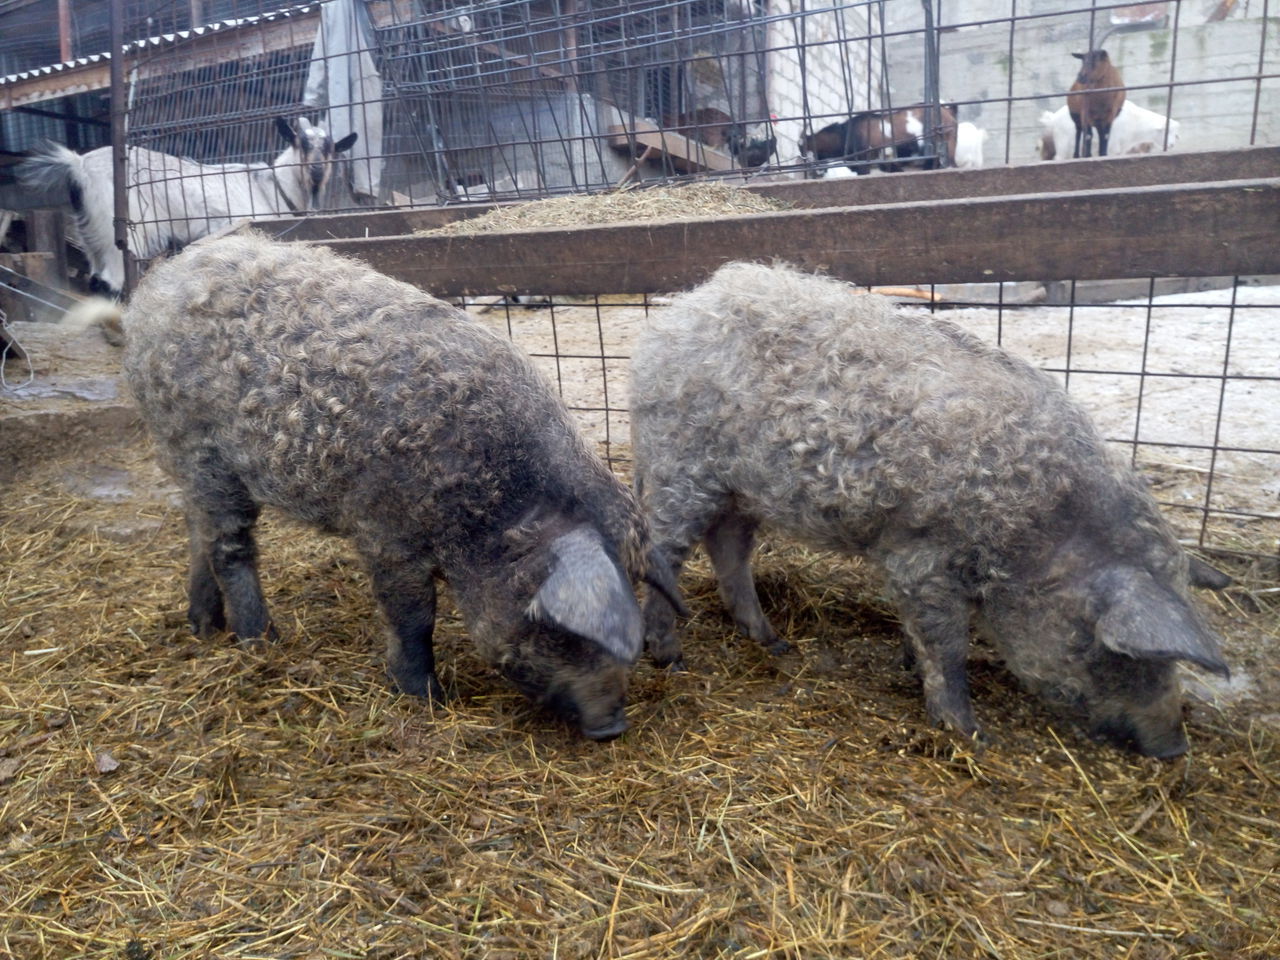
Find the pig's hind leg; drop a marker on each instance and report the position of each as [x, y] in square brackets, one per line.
[223, 590]
[729, 542]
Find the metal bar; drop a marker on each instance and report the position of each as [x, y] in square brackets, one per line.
[1181, 230]
[932, 97]
[119, 151]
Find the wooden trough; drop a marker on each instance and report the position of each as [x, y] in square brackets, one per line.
[1207, 214]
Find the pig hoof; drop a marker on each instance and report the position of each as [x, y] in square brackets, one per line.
[777, 646]
[1168, 749]
[269, 635]
[425, 686]
[207, 626]
[666, 656]
[677, 666]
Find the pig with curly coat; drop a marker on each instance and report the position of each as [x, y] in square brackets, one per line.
[284, 375]
[771, 397]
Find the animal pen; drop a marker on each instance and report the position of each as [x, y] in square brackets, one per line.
[172, 799]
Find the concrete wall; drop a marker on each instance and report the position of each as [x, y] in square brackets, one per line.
[976, 65]
[822, 64]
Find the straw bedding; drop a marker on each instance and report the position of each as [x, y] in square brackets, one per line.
[651, 203]
[166, 798]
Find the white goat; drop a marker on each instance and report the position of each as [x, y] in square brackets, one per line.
[1134, 130]
[175, 200]
[969, 140]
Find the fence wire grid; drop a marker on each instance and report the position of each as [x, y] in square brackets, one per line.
[501, 100]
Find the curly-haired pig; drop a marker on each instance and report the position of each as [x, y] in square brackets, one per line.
[985, 495]
[285, 375]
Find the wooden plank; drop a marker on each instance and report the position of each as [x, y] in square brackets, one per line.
[1180, 230]
[374, 223]
[1248, 163]
[684, 152]
[1245, 164]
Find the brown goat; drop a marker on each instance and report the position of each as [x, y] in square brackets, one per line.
[893, 137]
[1095, 99]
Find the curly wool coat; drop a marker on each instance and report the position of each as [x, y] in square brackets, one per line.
[770, 396]
[284, 375]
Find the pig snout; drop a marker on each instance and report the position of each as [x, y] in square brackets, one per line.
[608, 727]
[1153, 729]
[593, 700]
[601, 710]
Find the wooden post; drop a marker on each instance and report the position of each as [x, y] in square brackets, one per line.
[119, 153]
[64, 30]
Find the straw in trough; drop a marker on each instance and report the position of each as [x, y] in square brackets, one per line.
[653, 203]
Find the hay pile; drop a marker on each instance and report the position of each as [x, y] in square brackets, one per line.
[581, 210]
[166, 798]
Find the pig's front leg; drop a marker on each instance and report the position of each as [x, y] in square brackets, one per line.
[406, 593]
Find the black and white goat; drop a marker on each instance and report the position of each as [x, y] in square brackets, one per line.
[175, 200]
[893, 139]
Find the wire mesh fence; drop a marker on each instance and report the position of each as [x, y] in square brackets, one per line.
[1183, 384]
[453, 103]
[500, 100]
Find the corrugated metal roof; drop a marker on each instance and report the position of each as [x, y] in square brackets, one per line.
[165, 39]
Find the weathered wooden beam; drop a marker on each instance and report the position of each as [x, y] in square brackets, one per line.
[373, 223]
[685, 152]
[68, 81]
[1180, 230]
[1252, 163]
[1248, 163]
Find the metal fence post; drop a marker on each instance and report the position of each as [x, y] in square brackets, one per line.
[119, 152]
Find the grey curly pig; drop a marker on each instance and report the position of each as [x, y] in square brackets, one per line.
[768, 396]
[287, 376]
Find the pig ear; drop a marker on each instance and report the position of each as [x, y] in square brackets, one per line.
[587, 594]
[1144, 620]
[1207, 577]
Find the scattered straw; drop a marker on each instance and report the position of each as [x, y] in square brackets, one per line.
[281, 802]
[654, 203]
